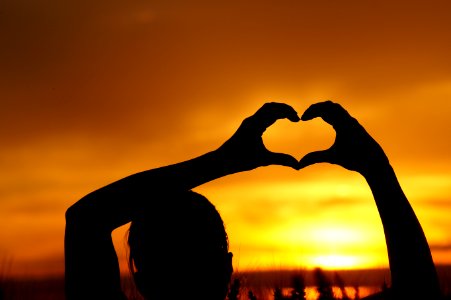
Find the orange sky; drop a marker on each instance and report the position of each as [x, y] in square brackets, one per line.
[92, 92]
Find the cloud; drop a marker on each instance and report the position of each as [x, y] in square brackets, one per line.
[440, 247]
[438, 203]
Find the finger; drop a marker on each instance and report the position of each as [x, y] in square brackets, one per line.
[330, 112]
[271, 112]
[315, 157]
[282, 159]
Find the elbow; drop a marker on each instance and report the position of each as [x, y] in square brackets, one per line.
[87, 215]
[80, 214]
[72, 215]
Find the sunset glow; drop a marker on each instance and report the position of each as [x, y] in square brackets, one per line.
[336, 262]
[93, 92]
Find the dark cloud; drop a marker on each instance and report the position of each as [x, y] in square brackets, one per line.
[435, 203]
[441, 247]
[342, 202]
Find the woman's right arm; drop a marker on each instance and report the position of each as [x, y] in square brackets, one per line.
[92, 270]
[412, 269]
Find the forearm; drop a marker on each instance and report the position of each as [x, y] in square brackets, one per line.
[411, 265]
[117, 203]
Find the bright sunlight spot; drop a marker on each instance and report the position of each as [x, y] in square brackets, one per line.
[334, 261]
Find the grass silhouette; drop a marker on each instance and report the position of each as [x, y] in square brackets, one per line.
[258, 285]
[325, 288]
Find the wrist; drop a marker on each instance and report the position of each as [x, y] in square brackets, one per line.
[375, 163]
[376, 172]
[224, 161]
[384, 184]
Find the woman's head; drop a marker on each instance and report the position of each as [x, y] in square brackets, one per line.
[179, 248]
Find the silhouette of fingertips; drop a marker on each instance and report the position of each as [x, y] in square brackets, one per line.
[286, 111]
[270, 112]
[305, 116]
[310, 113]
[314, 158]
[294, 118]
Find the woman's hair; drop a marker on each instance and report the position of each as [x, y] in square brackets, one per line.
[179, 249]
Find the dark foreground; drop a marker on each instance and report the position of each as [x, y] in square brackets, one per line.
[263, 284]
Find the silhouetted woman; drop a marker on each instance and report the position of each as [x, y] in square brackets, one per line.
[178, 245]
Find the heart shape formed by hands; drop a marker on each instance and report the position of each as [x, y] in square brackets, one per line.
[298, 139]
[353, 148]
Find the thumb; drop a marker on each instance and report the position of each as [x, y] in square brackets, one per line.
[282, 159]
[315, 157]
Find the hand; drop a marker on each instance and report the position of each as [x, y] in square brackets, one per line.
[353, 149]
[245, 149]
